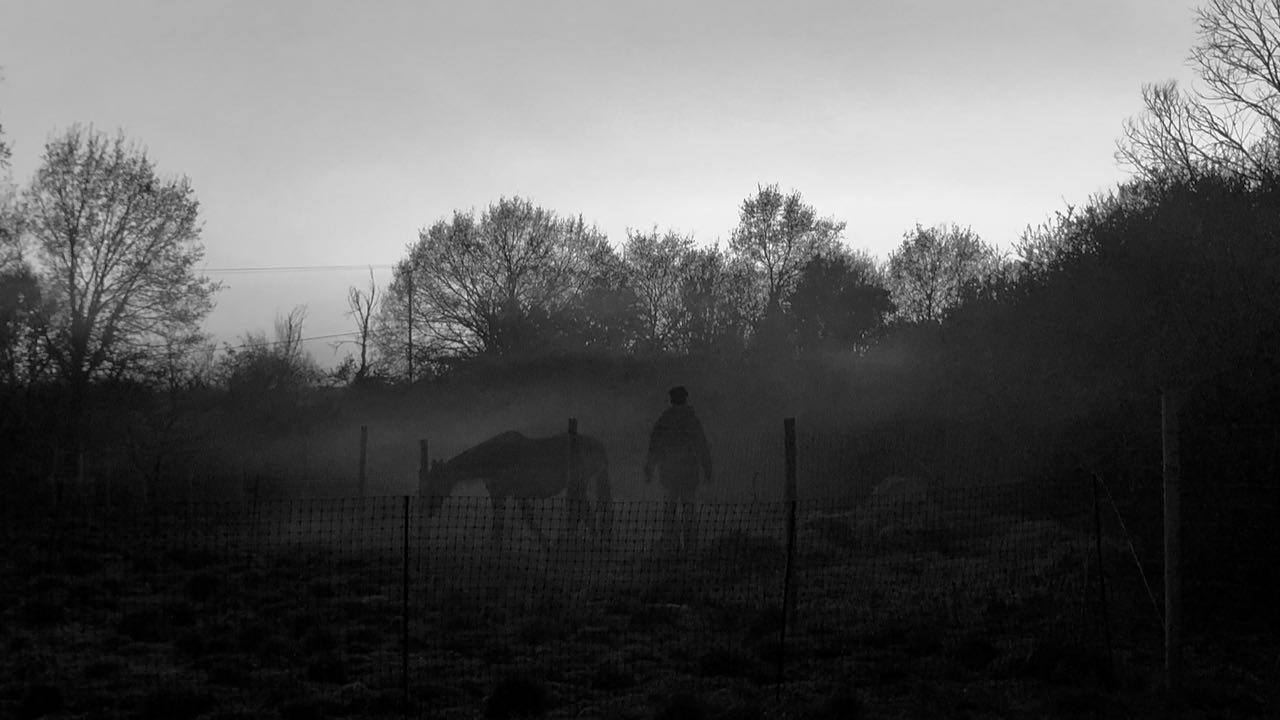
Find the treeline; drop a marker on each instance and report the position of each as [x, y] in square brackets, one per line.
[517, 282]
[969, 360]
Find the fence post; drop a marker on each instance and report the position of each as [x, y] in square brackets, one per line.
[788, 601]
[404, 616]
[1169, 405]
[574, 497]
[424, 468]
[364, 454]
[1102, 579]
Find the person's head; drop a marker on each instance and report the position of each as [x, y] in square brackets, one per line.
[679, 395]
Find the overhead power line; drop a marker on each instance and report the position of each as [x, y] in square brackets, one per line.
[272, 343]
[294, 268]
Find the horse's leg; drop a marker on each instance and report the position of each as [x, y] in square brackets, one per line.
[526, 510]
[575, 517]
[499, 511]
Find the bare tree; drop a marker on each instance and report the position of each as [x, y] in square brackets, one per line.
[361, 305]
[1230, 122]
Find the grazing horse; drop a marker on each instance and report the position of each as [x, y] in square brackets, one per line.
[512, 465]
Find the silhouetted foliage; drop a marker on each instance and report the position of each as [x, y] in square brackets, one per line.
[719, 305]
[839, 302]
[657, 266]
[933, 268]
[24, 318]
[490, 284]
[265, 377]
[116, 248]
[777, 234]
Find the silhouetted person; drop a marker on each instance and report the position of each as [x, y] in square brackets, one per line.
[678, 451]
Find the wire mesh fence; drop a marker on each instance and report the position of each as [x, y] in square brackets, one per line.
[380, 607]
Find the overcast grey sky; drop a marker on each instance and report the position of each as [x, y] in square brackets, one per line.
[322, 133]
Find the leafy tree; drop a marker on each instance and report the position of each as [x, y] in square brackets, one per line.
[487, 284]
[932, 269]
[10, 221]
[840, 300]
[22, 312]
[116, 249]
[1231, 121]
[777, 234]
[719, 304]
[656, 266]
[602, 318]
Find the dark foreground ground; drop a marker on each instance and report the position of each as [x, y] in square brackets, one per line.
[322, 610]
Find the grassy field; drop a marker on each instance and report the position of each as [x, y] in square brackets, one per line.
[299, 610]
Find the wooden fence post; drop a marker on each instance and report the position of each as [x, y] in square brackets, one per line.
[575, 497]
[788, 602]
[1169, 406]
[1102, 579]
[404, 614]
[364, 455]
[424, 468]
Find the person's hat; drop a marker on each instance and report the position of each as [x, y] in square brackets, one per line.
[678, 394]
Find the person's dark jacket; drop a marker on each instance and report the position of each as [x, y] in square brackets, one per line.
[678, 449]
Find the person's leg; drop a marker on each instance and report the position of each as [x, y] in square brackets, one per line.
[688, 519]
[670, 533]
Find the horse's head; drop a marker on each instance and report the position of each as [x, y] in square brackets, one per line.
[438, 485]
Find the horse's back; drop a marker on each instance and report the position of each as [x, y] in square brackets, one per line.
[503, 439]
[589, 449]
